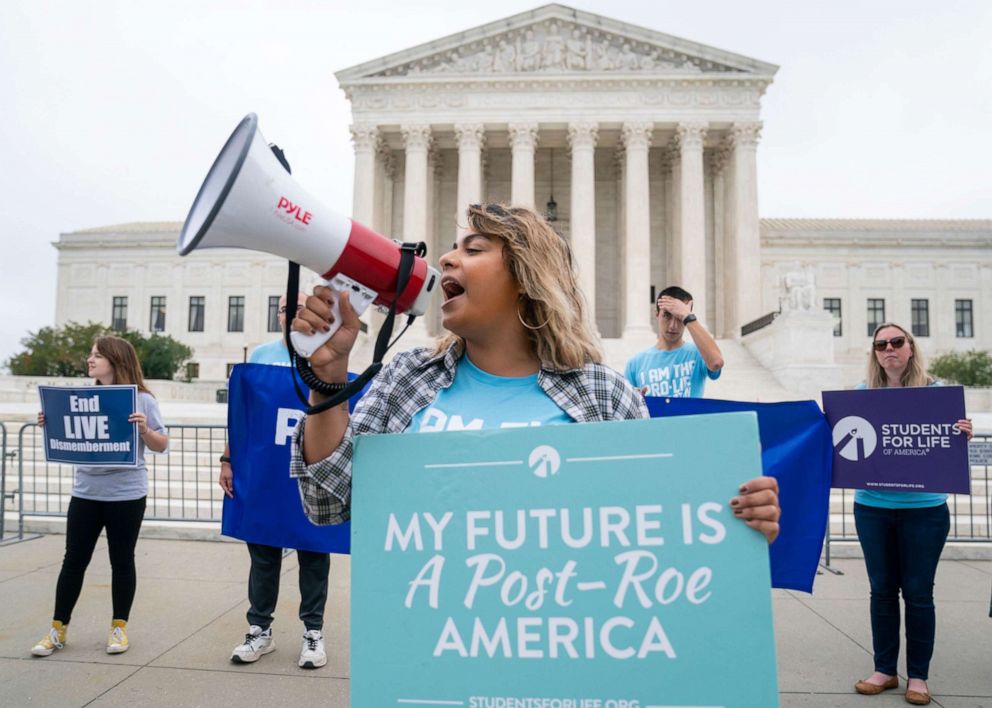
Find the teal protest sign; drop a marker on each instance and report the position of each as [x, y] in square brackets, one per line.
[573, 566]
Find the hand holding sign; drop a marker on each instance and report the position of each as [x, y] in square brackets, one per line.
[758, 506]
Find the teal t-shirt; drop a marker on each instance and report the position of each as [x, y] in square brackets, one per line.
[477, 400]
[679, 373]
[898, 500]
[271, 353]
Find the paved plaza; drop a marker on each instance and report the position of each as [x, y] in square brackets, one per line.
[190, 611]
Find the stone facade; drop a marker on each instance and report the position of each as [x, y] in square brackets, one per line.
[645, 142]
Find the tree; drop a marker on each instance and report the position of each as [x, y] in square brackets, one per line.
[63, 351]
[971, 368]
[56, 352]
[161, 356]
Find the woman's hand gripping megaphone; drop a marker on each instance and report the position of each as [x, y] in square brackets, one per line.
[329, 312]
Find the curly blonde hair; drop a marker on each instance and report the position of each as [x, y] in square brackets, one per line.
[916, 370]
[552, 304]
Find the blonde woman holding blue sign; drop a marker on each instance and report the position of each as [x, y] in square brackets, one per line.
[520, 353]
[107, 497]
[902, 535]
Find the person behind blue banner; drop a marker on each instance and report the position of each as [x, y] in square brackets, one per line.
[266, 561]
[111, 498]
[520, 353]
[902, 535]
[673, 367]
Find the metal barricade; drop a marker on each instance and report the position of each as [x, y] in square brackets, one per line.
[971, 514]
[3, 479]
[182, 481]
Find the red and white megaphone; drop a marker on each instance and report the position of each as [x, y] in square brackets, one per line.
[249, 200]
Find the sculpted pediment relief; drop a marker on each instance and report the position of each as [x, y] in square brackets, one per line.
[552, 47]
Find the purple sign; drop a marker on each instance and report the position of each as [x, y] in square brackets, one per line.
[899, 439]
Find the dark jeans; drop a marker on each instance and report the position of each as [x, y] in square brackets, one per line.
[901, 548]
[263, 585]
[84, 522]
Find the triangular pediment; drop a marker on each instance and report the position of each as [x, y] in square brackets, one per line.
[555, 40]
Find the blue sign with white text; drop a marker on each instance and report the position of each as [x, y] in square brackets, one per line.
[899, 439]
[795, 450]
[89, 425]
[575, 566]
[262, 412]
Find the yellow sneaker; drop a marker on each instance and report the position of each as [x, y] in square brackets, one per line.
[117, 641]
[55, 639]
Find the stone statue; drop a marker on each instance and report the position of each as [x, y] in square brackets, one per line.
[601, 56]
[800, 290]
[553, 54]
[575, 56]
[530, 53]
[505, 59]
[628, 59]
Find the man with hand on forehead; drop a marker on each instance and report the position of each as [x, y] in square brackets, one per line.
[674, 367]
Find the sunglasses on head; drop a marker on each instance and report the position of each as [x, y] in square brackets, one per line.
[881, 344]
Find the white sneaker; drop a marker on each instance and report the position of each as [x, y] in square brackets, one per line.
[312, 655]
[257, 643]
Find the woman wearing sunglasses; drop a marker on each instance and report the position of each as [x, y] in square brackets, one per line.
[902, 535]
[519, 350]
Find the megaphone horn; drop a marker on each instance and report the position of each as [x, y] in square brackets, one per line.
[248, 200]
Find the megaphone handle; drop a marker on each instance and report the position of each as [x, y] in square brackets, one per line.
[360, 297]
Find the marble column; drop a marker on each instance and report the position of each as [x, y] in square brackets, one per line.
[523, 143]
[692, 225]
[745, 234]
[471, 138]
[637, 231]
[385, 177]
[582, 140]
[366, 140]
[717, 162]
[673, 220]
[417, 142]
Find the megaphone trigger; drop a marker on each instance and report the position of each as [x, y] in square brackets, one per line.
[359, 296]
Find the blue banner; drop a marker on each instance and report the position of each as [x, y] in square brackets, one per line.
[89, 425]
[796, 450]
[262, 412]
[565, 566]
[899, 439]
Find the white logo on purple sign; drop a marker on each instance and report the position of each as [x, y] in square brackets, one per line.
[854, 438]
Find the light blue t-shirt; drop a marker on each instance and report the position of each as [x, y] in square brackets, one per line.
[477, 400]
[274, 353]
[898, 500]
[679, 373]
[121, 483]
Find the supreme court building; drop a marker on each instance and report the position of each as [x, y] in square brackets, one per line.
[639, 145]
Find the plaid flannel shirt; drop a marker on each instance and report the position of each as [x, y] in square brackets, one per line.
[409, 383]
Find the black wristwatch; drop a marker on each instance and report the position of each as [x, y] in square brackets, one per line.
[688, 318]
[225, 458]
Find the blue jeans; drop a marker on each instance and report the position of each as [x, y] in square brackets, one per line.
[901, 548]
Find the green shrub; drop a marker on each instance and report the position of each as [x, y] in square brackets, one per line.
[971, 368]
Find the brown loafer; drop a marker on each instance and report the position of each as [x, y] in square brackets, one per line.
[917, 698]
[873, 689]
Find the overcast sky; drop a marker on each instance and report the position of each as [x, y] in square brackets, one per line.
[111, 112]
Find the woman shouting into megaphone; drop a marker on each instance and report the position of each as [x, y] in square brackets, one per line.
[519, 350]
